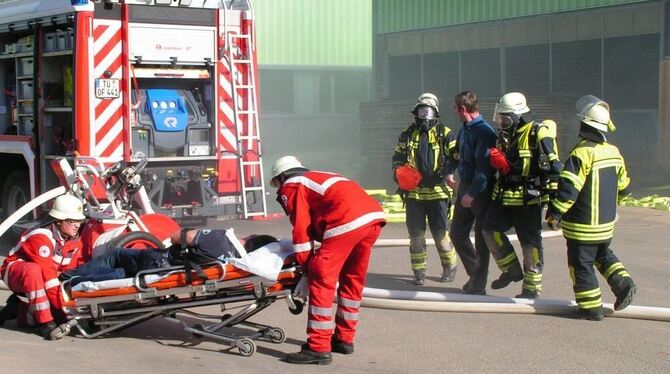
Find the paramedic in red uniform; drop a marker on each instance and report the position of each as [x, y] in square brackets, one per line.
[31, 269]
[336, 211]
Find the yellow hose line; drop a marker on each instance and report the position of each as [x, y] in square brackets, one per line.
[653, 201]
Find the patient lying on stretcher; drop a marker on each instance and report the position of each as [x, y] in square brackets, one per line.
[188, 245]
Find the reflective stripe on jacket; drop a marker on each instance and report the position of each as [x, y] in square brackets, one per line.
[444, 159]
[588, 188]
[524, 159]
[323, 205]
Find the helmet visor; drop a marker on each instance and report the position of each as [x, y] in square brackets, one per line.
[505, 121]
[426, 112]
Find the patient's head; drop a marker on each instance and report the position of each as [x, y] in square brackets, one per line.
[253, 242]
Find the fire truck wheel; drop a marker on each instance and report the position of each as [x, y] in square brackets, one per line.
[136, 240]
[15, 193]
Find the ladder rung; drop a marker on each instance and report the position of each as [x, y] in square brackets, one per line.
[240, 36]
[248, 137]
[253, 188]
[247, 86]
[247, 163]
[244, 61]
[246, 112]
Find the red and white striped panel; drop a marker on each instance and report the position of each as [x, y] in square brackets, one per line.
[108, 124]
[227, 120]
[228, 167]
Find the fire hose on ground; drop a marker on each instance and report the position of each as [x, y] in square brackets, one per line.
[460, 303]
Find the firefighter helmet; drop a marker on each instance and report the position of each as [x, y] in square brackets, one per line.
[408, 177]
[67, 207]
[428, 99]
[509, 109]
[595, 112]
[512, 102]
[285, 163]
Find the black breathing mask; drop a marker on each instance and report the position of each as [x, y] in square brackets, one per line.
[507, 124]
[425, 117]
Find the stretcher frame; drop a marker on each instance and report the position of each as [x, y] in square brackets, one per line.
[97, 316]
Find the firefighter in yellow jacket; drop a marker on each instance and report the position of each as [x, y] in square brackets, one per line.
[528, 169]
[428, 148]
[593, 179]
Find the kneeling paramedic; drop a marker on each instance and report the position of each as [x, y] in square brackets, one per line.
[31, 269]
[337, 212]
[593, 179]
[528, 168]
[427, 151]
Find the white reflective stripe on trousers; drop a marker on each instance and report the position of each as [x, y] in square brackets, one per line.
[347, 316]
[321, 325]
[319, 311]
[349, 303]
[44, 305]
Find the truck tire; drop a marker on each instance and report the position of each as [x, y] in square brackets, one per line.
[15, 193]
[136, 240]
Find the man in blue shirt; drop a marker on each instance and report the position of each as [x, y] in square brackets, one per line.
[474, 191]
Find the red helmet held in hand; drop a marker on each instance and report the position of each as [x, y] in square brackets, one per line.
[408, 177]
[499, 161]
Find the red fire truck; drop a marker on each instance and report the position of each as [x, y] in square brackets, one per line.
[169, 81]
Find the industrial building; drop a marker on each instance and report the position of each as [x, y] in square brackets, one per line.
[552, 51]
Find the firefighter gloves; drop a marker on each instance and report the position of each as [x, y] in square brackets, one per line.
[553, 221]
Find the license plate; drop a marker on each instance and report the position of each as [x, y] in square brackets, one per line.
[107, 88]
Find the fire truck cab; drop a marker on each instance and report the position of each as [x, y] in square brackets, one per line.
[172, 81]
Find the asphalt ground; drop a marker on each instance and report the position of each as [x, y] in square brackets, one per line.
[403, 341]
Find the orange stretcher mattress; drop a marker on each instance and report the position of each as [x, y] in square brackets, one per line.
[214, 272]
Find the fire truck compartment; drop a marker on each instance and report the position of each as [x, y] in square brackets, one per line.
[171, 123]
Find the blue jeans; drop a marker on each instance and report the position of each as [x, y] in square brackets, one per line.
[117, 263]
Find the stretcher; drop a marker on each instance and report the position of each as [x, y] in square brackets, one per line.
[104, 307]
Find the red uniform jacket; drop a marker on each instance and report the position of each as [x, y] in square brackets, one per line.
[324, 205]
[47, 248]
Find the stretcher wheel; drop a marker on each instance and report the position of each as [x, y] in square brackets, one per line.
[299, 306]
[246, 346]
[200, 327]
[276, 335]
[136, 240]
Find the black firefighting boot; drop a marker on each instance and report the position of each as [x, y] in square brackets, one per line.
[624, 291]
[10, 309]
[339, 346]
[593, 314]
[52, 331]
[308, 356]
[448, 274]
[419, 277]
[528, 294]
[513, 274]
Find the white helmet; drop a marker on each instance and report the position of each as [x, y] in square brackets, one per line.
[285, 163]
[594, 112]
[67, 207]
[512, 102]
[428, 99]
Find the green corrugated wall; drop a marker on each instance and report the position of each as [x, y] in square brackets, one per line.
[403, 15]
[314, 32]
